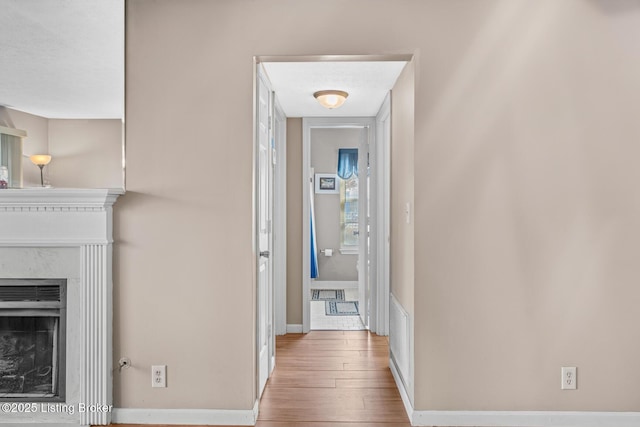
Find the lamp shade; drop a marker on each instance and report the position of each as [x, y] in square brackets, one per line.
[331, 98]
[40, 159]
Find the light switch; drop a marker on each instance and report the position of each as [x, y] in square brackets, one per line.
[407, 212]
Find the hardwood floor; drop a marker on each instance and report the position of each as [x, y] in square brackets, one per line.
[331, 379]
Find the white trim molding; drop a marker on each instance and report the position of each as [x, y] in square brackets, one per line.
[280, 221]
[401, 342]
[525, 419]
[209, 417]
[309, 123]
[46, 217]
[333, 284]
[13, 132]
[294, 329]
[380, 229]
[408, 406]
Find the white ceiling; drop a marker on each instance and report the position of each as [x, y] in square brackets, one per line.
[366, 82]
[62, 58]
[65, 59]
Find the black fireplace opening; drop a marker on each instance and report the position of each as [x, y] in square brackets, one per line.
[32, 339]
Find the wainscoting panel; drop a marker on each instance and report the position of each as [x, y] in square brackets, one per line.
[400, 339]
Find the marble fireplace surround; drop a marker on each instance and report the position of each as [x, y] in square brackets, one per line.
[67, 233]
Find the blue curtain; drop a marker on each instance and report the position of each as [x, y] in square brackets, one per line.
[347, 162]
[314, 253]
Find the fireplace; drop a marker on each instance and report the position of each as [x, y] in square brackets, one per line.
[56, 305]
[32, 340]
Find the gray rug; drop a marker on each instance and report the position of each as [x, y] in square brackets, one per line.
[327, 294]
[341, 308]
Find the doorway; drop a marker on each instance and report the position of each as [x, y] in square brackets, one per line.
[285, 90]
[292, 299]
[368, 80]
[337, 289]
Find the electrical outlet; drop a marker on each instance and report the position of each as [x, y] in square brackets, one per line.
[159, 376]
[569, 378]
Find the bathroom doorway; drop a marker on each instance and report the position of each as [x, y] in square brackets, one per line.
[339, 222]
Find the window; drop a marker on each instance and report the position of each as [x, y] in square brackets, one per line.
[349, 215]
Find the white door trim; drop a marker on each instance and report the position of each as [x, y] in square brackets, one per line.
[307, 124]
[280, 222]
[380, 228]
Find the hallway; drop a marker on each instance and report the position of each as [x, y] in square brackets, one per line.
[331, 379]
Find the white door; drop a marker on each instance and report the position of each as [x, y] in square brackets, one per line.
[265, 209]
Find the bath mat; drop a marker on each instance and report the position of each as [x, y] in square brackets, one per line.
[327, 294]
[341, 308]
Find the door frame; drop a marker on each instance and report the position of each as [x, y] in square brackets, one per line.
[280, 219]
[309, 123]
[380, 222]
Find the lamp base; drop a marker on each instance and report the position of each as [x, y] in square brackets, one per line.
[41, 175]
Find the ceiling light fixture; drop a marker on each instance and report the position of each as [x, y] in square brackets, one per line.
[331, 98]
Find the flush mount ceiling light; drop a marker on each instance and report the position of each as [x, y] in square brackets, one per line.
[331, 98]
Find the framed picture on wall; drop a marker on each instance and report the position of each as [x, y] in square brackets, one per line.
[327, 183]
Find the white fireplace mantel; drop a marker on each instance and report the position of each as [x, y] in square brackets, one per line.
[37, 218]
[56, 216]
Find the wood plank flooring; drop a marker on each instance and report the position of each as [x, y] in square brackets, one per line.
[331, 379]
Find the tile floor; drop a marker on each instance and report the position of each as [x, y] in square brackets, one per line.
[320, 321]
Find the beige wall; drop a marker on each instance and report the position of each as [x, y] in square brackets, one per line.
[324, 146]
[526, 207]
[86, 153]
[294, 221]
[402, 177]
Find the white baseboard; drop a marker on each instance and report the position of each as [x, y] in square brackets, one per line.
[511, 418]
[525, 419]
[294, 329]
[401, 388]
[333, 284]
[210, 417]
